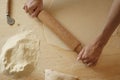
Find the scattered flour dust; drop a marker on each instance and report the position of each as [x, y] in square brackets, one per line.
[19, 54]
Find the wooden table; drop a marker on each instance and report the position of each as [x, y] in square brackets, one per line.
[83, 18]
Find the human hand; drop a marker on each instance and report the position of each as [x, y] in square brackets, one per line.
[90, 54]
[33, 7]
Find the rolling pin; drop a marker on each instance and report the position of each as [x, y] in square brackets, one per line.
[60, 31]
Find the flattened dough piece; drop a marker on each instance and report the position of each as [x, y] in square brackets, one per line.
[54, 75]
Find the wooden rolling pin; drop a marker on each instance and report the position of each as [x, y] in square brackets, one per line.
[60, 31]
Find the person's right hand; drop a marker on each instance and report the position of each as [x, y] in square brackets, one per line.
[33, 7]
[90, 54]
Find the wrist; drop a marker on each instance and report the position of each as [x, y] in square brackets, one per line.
[100, 42]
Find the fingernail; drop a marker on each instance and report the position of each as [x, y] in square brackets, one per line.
[32, 16]
[78, 58]
[89, 65]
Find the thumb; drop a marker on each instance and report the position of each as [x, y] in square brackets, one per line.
[80, 54]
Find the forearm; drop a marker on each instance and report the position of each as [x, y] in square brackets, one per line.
[111, 24]
[91, 53]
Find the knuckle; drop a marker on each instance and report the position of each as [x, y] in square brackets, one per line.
[30, 7]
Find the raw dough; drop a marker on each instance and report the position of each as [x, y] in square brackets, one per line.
[54, 75]
[19, 54]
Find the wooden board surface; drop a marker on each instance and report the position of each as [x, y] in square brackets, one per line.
[84, 19]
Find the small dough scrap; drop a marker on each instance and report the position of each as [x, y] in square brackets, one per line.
[19, 54]
[54, 75]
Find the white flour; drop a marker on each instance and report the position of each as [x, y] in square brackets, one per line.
[19, 54]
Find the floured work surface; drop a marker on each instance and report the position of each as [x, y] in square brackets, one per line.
[84, 19]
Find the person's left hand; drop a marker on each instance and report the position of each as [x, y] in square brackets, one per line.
[90, 54]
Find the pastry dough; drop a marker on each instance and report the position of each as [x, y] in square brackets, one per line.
[54, 75]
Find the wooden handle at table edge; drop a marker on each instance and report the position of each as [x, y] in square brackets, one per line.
[60, 31]
[8, 7]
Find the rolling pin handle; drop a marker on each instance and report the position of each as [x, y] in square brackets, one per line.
[8, 8]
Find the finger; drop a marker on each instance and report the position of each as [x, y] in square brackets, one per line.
[31, 9]
[86, 61]
[85, 56]
[89, 64]
[92, 63]
[26, 8]
[36, 12]
[80, 55]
